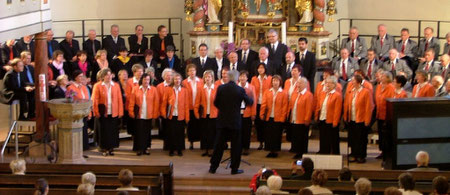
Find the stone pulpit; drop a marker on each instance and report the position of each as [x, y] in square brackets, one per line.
[70, 123]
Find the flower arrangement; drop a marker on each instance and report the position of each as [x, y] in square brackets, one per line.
[70, 94]
[227, 47]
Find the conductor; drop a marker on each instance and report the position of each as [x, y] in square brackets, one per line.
[228, 101]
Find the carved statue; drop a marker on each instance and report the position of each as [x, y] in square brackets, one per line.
[319, 16]
[305, 10]
[258, 5]
[214, 7]
[199, 15]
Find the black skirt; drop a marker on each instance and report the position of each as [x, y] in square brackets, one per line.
[141, 138]
[272, 135]
[299, 138]
[109, 133]
[175, 134]
[208, 133]
[193, 131]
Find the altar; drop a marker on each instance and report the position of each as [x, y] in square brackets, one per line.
[224, 23]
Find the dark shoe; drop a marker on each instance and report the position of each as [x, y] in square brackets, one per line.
[171, 153]
[261, 146]
[192, 146]
[245, 152]
[105, 154]
[146, 153]
[291, 150]
[298, 156]
[85, 156]
[270, 155]
[139, 153]
[379, 156]
[212, 171]
[22, 118]
[351, 159]
[205, 154]
[111, 153]
[180, 153]
[361, 160]
[239, 171]
[275, 155]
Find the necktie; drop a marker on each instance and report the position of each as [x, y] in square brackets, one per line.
[28, 47]
[381, 42]
[93, 48]
[11, 54]
[273, 48]
[403, 48]
[444, 70]
[392, 66]
[288, 67]
[163, 46]
[369, 71]
[50, 48]
[344, 73]
[244, 58]
[233, 67]
[30, 77]
[353, 46]
[426, 46]
[18, 79]
[302, 57]
[427, 67]
[203, 62]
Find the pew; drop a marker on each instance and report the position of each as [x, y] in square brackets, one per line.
[28, 191]
[158, 177]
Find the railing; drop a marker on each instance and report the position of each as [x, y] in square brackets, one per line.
[367, 28]
[102, 26]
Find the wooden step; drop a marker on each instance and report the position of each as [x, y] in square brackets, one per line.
[212, 181]
[213, 190]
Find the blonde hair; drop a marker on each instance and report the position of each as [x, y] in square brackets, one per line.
[100, 52]
[89, 178]
[61, 78]
[274, 182]
[86, 189]
[18, 166]
[363, 186]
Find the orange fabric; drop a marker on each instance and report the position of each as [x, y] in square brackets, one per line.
[281, 106]
[218, 83]
[363, 106]
[203, 101]
[426, 91]
[287, 85]
[366, 85]
[319, 89]
[304, 109]
[50, 73]
[78, 92]
[334, 107]
[152, 100]
[100, 96]
[128, 90]
[402, 94]
[250, 110]
[267, 84]
[183, 105]
[160, 88]
[163, 46]
[380, 99]
[188, 86]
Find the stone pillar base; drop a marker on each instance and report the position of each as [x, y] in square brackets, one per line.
[70, 144]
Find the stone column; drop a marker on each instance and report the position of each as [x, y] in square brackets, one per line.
[70, 123]
[41, 60]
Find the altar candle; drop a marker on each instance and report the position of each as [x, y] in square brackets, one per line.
[230, 32]
[283, 32]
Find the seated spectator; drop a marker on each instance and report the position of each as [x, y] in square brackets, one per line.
[392, 191]
[345, 175]
[274, 183]
[58, 65]
[363, 186]
[82, 64]
[122, 62]
[18, 167]
[438, 84]
[61, 87]
[319, 179]
[86, 189]
[440, 185]
[406, 184]
[89, 178]
[126, 180]
[41, 187]
[307, 168]
[422, 159]
[15, 87]
[263, 173]
[263, 190]
[148, 60]
[305, 191]
[122, 193]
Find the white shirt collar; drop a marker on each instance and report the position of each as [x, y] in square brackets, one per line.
[279, 89]
[206, 86]
[135, 80]
[76, 84]
[275, 45]
[304, 52]
[446, 66]
[203, 58]
[142, 87]
[219, 60]
[332, 91]
[303, 91]
[166, 84]
[111, 83]
[292, 65]
[177, 89]
[265, 77]
[245, 86]
[265, 61]
[245, 51]
[196, 79]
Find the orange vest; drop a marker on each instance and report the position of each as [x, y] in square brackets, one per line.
[402, 94]
[128, 90]
[319, 89]
[203, 102]
[250, 110]
[363, 106]
[79, 90]
[334, 107]
[280, 109]
[304, 109]
[267, 84]
[169, 98]
[380, 99]
[188, 86]
[100, 96]
[425, 91]
[151, 99]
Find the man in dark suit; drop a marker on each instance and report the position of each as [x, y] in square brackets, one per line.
[52, 44]
[287, 67]
[28, 74]
[112, 43]
[171, 61]
[370, 65]
[14, 87]
[428, 42]
[444, 69]
[203, 62]
[246, 55]
[138, 42]
[8, 52]
[407, 49]
[159, 43]
[91, 46]
[26, 43]
[234, 63]
[355, 44]
[277, 50]
[70, 47]
[228, 101]
[263, 57]
[382, 43]
[220, 61]
[307, 60]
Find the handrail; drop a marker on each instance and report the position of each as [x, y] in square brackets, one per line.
[8, 136]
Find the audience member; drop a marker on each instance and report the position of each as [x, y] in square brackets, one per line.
[160, 42]
[86, 189]
[172, 61]
[100, 62]
[382, 43]
[307, 169]
[355, 44]
[70, 47]
[262, 174]
[18, 167]
[91, 46]
[263, 55]
[113, 43]
[277, 51]
[307, 60]
[440, 185]
[345, 175]
[220, 61]
[41, 187]
[407, 48]
[52, 44]
[26, 43]
[422, 160]
[396, 65]
[61, 88]
[363, 186]
[89, 178]
[392, 191]
[263, 190]
[438, 84]
[28, 74]
[203, 62]
[58, 65]
[444, 68]
[422, 88]
[274, 183]
[344, 67]
[122, 62]
[82, 64]
[319, 179]
[138, 42]
[126, 180]
[428, 42]
[406, 184]
[305, 191]
[246, 55]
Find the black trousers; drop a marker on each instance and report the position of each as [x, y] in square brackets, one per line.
[329, 138]
[23, 102]
[273, 133]
[164, 130]
[141, 138]
[109, 133]
[219, 147]
[381, 130]
[85, 134]
[246, 132]
[388, 139]
[259, 125]
[193, 130]
[31, 105]
[175, 134]
[299, 140]
[208, 133]
[357, 136]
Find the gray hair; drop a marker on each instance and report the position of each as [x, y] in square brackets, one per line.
[233, 75]
[263, 190]
[332, 79]
[86, 189]
[439, 79]
[354, 28]
[218, 49]
[274, 182]
[17, 166]
[303, 80]
[422, 158]
[273, 31]
[114, 26]
[264, 48]
[149, 70]
[89, 178]
[165, 71]
[388, 74]
[363, 186]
